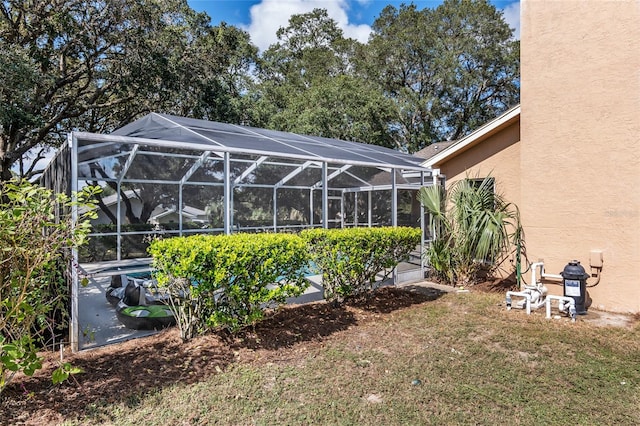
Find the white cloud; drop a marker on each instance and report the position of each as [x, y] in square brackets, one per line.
[512, 16]
[269, 15]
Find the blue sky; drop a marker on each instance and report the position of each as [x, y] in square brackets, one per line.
[262, 18]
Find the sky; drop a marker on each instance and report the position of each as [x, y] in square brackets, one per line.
[262, 18]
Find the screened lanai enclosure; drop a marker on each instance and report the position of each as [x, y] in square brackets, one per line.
[168, 176]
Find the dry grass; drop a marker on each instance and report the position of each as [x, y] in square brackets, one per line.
[459, 359]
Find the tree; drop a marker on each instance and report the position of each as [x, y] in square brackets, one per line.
[307, 83]
[448, 70]
[223, 67]
[95, 65]
[343, 107]
[312, 47]
[198, 71]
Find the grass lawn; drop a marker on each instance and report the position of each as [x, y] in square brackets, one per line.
[458, 359]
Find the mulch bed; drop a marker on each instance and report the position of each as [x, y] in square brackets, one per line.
[117, 372]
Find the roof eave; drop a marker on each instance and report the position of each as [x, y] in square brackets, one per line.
[475, 137]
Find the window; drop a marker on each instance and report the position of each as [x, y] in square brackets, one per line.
[487, 183]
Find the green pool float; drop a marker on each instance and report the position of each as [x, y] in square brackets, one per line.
[150, 317]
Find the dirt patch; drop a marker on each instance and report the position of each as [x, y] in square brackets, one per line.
[609, 319]
[119, 372]
[495, 286]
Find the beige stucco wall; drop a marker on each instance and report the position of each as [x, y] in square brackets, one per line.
[498, 156]
[580, 130]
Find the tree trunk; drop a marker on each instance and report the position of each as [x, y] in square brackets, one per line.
[5, 169]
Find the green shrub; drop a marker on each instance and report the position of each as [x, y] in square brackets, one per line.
[475, 228]
[228, 280]
[36, 235]
[351, 258]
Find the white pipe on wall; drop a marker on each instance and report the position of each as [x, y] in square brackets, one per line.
[552, 276]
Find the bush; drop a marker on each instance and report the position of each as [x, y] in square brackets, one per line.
[36, 235]
[351, 258]
[475, 229]
[228, 280]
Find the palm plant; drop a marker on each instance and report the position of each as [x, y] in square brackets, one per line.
[473, 227]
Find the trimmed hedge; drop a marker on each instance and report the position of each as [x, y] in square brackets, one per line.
[350, 258]
[228, 280]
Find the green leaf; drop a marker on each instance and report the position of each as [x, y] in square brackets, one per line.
[59, 375]
[31, 368]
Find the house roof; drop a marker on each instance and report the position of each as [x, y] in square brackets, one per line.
[112, 199]
[433, 149]
[477, 136]
[187, 211]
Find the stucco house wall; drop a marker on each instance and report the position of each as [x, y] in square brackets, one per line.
[574, 170]
[580, 126]
[492, 150]
[497, 156]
